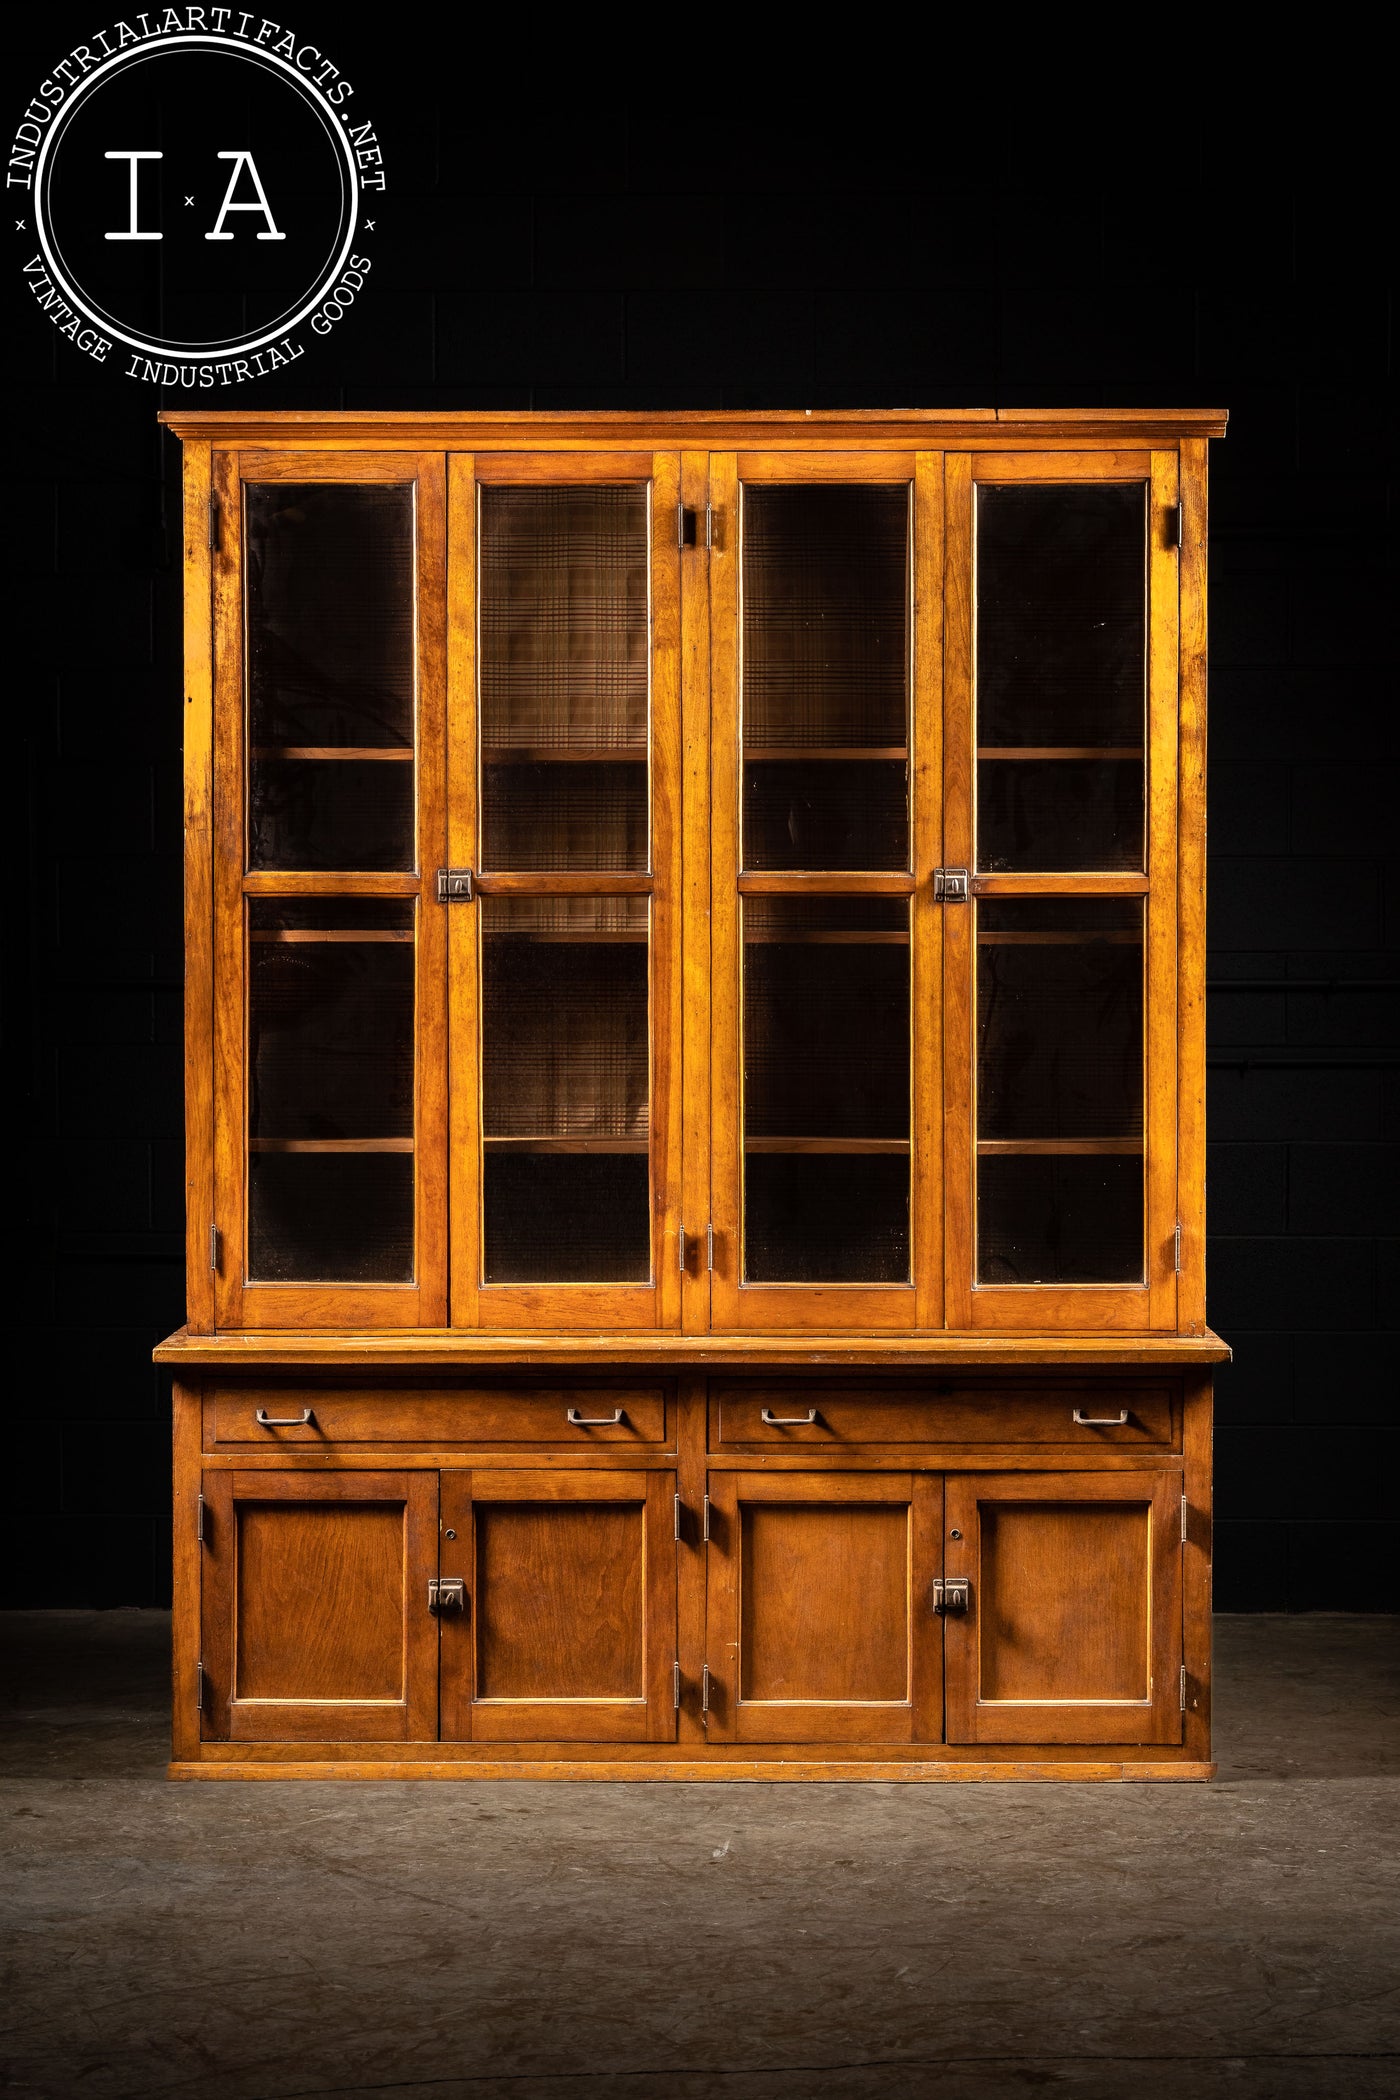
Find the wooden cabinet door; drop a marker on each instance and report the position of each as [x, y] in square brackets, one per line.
[1060, 968]
[567, 1632]
[1073, 1628]
[330, 954]
[564, 804]
[826, 789]
[820, 1627]
[316, 1614]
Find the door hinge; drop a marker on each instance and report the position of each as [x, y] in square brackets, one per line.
[199, 1520]
[1183, 1520]
[676, 1686]
[951, 885]
[455, 886]
[685, 526]
[213, 524]
[199, 1687]
[950, 1595]
[678, 1516]
[1183, 1687]
[1176, 1247]
[705, 1689]
[214, 1248]
[705, 1521]
[1176, 525]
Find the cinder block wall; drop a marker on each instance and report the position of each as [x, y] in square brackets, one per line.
[557, 260]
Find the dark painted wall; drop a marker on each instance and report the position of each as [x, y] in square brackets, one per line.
[542, 259]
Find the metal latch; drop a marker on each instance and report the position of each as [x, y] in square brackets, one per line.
[951, 885]
[950, 1593]
[447, 1593]
[455, 886]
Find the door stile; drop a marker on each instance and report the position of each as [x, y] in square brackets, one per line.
[430, 1119]
[463, 922]
[926, 916]
[667, 898]
[694, 1041]
[457, 1629]
[959, 953]
[228, 1232]
[1159, 993]
[1191, 889]
[199, 888]
[726, 1101]
[926, 1629]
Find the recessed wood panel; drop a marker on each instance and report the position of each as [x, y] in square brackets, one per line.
[559, 1598]
[825, 1601]
[1065, 1601]
[320, 1601]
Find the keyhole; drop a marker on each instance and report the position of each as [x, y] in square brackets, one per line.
[951, 1534]
[449, 1534]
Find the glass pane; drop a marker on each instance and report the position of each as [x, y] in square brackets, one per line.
[566, 1089]
[1060, 1090]
[826, 1089]
[826, 677]
[565, 664]
[330, 1090]
[330, 639]
[1061, 676]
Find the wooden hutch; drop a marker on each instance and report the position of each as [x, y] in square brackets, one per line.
[695, 1097]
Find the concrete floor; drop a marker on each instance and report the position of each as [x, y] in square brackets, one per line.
[523, 1941]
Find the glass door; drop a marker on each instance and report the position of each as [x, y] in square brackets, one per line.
[825, 828]
[330, 1127]
[1060, 974]
[565, 811]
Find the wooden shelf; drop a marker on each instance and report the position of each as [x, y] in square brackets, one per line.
[567, 938]
[1118, 754]
[770, 937]
[401, 753]
[825, 1144]
[393, 1144]
[1121, 936]
[824, 754]
[1057, 1147]
[320, 934]
[567, 1144]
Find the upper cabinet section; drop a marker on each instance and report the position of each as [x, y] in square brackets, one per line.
[711, 874]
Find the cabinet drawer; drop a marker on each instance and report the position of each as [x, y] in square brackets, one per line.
[788, 1417]
[482, 1416]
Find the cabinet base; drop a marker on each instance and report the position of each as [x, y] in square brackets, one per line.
[688, 1771]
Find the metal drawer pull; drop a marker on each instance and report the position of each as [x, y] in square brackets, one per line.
[772, 1421]
[302, 1421]
[611, 1421]
[1101, 1421]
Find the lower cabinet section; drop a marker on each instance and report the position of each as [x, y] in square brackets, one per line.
[808, 1608]
[566, 1630]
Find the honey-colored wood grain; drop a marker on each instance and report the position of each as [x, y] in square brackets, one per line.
[1068, 884]
[926, 1529]
[225, 1259]
[807, 466]
[668, 899]
[1061, 466]
[843, 1762]
[199, 890]
[1160, 1039]
[187, 1571]
[499, 1415]
[926, 917]
[550, 469]
[1074, 1629]
[315, 1606]
[463, 922]
[695, 905]
[571, 1583]
[810, 1607]
[456, 1558]
[430, 1116]
[959, 952]
[418, 1350]
[1191, 892]
[523, 430]
[850, 1415]
[691, 1555]
[1196, 1554]
[726, 1093]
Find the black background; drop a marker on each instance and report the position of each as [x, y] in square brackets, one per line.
[614, 242]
